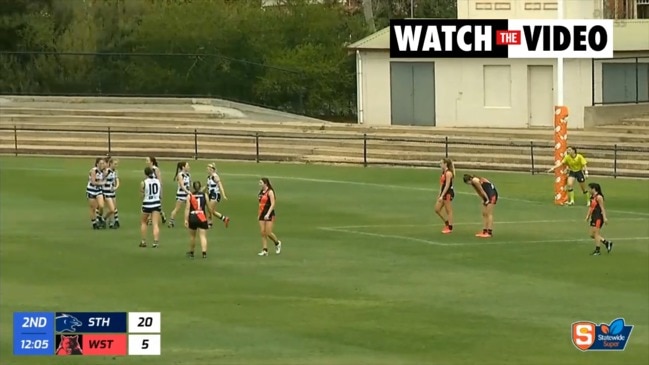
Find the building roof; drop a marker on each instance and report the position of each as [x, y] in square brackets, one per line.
[379, 40]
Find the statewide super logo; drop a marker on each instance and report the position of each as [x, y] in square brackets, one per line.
[588, 336]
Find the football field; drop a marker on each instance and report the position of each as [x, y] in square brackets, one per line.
[365, 276]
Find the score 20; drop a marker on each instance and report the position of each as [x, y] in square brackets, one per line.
[144, 333]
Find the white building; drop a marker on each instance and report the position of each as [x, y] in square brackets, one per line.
[507, 93]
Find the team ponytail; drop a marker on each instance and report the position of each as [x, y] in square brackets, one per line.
[449, 165]
[196, 185]
[266, 182]
[597, 188]
[179, 168]
[148, 172]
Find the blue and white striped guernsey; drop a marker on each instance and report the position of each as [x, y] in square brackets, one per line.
[111, 182]
[213, 184]
[181, 195]
[152, 191]
[91, 189]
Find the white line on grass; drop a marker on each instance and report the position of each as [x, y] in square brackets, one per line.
[348, 182]
[390, 236]
[478, 242]
[388, 186]
[469, 223]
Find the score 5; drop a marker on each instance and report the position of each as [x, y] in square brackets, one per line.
[143, 345]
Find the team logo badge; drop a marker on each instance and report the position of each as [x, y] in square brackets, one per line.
[67, 323]
[68, 345]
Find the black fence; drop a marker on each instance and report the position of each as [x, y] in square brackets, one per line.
[623, 80]
[532, 157]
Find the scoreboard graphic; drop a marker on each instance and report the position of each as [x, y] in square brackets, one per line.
[86, 333]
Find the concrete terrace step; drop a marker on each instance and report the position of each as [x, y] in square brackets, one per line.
[349, 145]
[581, 138]
[637, 121]
[306, 153]
[306, 150]
[498, 166]
[145, 151]
[193, 118]
[117, 122]
[405, 141]
[284, 155]
[624, 128]
[477, 147]
[110, 112]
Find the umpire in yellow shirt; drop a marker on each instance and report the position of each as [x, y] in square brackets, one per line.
[576, 165]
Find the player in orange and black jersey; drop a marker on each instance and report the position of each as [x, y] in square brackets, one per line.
[446, 194]
[266, 216]
[196, 219]
[597, 217]
[487, 192]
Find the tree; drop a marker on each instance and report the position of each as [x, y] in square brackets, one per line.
[368, 12]
[291, 57]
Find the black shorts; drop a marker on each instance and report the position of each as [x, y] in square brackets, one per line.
[492, 195]
[597, 221]
[151, 210]
[578, 175]
[262, 217]
[449, 196]
[196, 223]
[94, 196]
[215, 196]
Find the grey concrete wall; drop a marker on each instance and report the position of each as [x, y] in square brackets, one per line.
[613, 114]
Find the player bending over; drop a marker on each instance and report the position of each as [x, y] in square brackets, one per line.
[486, 190]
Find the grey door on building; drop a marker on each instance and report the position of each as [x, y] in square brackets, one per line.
[412, 90]
[622, 84]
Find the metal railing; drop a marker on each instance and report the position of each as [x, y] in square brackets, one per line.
[533, 156]
[623, 80]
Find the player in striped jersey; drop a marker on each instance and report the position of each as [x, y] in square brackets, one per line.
[215, 192]
[152, 162]
[94, 192]
[184, 181]
[110, 187]
[151, 190]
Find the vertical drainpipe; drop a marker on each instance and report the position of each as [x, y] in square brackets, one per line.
[359, 86]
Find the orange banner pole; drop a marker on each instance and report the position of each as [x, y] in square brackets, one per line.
[560, 146]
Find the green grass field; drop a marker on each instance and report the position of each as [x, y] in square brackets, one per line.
[365, 276]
